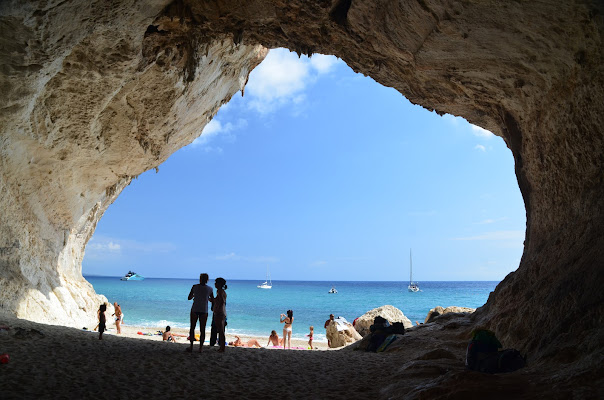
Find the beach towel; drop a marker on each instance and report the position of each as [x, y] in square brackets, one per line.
[389, 339]
[342, 324]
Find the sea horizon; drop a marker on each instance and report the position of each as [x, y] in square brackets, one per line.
[293, 280]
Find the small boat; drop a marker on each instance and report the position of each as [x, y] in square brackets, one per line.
[333, 290]
[132, 276]
[413, 287]
[268, 283]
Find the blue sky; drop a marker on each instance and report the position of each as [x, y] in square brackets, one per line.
[320, 174]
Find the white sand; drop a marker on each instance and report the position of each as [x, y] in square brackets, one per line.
[70, 363]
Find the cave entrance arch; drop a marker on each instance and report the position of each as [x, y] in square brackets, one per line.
[89, 106]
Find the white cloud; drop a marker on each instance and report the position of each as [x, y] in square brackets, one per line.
[452, 119]
[480, 147]
[215, 128]
[227, 257]
[496, 235]
[318, 263]
[480, 132]
[491, 221]
[255, 259]
[283, 77]
[103, 246]
[323, 64]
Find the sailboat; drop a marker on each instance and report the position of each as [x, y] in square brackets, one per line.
[267, 284]
[412, 285]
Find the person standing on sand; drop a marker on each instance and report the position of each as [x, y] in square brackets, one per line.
[200, 294]
[119, 317]
[102, 320]
[310, 336]
[287, 328]
[331, 318]
[219, 307]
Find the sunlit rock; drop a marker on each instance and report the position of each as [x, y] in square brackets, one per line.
[438, 310]
[390, 313]
[341, 333]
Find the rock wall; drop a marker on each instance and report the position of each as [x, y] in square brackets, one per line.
[95, 93]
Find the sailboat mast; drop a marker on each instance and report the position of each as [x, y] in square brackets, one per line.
[410, 268]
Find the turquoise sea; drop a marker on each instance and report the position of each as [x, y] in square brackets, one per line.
[156, 302]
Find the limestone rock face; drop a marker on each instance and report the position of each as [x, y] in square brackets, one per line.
[438, 311]
[87, 107]
[95, 93]
[391, 313]
[340, 336]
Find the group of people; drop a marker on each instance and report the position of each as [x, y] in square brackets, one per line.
[201, 294]
[102, 325]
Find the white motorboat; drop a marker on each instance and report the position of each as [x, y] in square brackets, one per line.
[132, 276]
[268, 283]
[413, 287]
[333, 290]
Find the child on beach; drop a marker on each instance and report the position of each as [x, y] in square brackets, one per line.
[102, 320]
[310, 335]
[219, 307]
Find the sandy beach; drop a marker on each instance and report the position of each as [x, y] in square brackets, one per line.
[151, 333]
[49, 361]
[427, 362]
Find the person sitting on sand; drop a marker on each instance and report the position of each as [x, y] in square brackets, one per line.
[287, 328]
[167, 335]
[274, 339]
[239, 343]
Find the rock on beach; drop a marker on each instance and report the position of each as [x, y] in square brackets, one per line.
[438, 311]
[391, 313]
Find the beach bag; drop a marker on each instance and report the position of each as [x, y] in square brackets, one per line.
[483, 355]
[510, 360]
[396, 328]
[375, 341]
[378, 333]
[379, 323]
[481, 346]
[387, 341]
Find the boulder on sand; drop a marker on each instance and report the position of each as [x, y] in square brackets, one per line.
[391, 313]
[438, 310]
[340, 333]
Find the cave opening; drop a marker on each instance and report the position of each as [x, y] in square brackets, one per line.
[325, 175]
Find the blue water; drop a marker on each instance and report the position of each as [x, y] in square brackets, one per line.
[252, 311]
